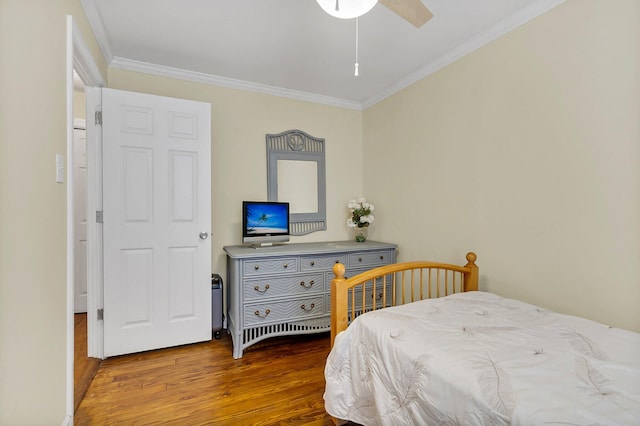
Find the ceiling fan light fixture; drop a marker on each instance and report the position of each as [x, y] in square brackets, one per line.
[346, 9]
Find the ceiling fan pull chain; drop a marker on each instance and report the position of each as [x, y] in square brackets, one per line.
[356, 71]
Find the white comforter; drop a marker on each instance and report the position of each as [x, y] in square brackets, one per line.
[479, 359]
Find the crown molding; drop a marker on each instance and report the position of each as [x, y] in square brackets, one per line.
[83, 63]
[492, 33]
[198, 77]
[95, 21]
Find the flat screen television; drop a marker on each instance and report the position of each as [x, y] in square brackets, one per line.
[265, 222]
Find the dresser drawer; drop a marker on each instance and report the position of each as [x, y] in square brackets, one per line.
[276, 286]
[321, 263]
[370, 259]
[287, 310]
[269, 266]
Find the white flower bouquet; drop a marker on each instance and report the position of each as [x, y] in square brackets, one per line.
[361, 213]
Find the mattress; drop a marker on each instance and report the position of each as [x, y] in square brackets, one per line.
[479, 359]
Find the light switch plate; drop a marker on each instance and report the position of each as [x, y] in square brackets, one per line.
[59, 168]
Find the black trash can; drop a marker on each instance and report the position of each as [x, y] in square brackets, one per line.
[216, 305]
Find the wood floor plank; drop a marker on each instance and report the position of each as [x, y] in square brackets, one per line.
[84, 367]
[278, 382]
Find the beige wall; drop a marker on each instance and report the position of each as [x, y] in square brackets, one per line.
[239, 122]
[33, 311]
[528, 152]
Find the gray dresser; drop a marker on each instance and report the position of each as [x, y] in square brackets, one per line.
[285, 289]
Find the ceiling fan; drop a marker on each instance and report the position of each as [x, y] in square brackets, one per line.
[412, 11]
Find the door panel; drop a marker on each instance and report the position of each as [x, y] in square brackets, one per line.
[137, 286]
[183, 185]
[182, 282]
[157, 190]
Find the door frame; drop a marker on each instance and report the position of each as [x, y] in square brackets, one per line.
[78, 124]
[79, 57]
[95, 283]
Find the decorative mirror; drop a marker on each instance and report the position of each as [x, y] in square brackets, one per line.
[296, 174]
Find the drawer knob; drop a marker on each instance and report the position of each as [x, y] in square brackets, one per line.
[267, 312]
[313, 263]
[381, 257]
[256, 267]
[311, 283]
[337, 260]
[285, 265]
[257, 288]
[359, 259]
[304, 307]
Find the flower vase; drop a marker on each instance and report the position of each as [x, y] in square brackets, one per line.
[361, 234]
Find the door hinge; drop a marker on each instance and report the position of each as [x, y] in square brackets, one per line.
[99, 218]
[98, 118]
[100, 314]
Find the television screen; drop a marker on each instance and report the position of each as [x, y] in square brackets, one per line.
[265, 222]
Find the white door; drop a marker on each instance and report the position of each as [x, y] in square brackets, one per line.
[80, 218]
[157, 221]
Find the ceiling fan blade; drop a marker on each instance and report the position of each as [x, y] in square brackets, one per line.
[412, 11]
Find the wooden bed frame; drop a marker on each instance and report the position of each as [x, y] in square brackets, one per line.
[383, 369]
[396, 284]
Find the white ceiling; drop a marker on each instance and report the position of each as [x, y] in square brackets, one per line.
[292, 48]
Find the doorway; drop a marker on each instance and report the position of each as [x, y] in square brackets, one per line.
[79, 60]
[140, 154]
[84, 367]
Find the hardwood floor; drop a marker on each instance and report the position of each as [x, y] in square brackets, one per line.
[280, 381]
[84, 367]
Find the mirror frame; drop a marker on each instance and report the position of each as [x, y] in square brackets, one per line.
[297, 145]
